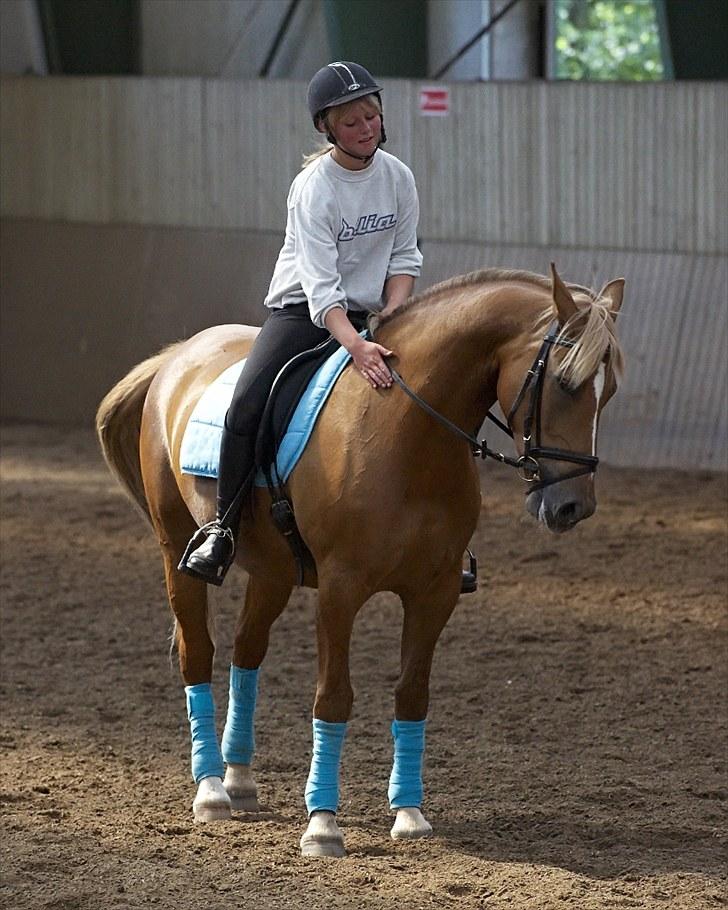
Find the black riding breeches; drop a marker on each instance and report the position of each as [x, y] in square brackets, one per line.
[285, 333]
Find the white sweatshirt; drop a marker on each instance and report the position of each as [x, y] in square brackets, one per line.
[347, 232]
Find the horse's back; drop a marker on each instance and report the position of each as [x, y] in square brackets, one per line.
[177, 388]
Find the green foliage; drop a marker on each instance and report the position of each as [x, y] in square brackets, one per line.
[607, 40]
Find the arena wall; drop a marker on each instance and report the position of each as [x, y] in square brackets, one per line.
[135, 212]
[627, 166]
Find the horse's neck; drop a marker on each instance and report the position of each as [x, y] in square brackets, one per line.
[450, 353]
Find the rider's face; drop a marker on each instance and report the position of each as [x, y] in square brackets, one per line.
[357, 128]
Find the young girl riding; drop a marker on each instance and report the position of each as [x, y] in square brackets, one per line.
[350, 249]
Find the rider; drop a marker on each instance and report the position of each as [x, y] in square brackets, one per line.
[350, 249]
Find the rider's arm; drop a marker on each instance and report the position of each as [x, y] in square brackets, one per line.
[405, 262]
[316, 257]
[397, 288]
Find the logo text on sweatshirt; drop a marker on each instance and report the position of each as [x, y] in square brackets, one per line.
[367, 224]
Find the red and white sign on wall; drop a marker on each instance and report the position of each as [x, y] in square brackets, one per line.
[434, 101]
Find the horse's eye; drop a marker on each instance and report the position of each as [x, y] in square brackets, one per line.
[565, 386]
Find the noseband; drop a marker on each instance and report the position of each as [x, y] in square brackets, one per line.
[527, 465]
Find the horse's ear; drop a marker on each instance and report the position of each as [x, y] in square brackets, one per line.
[614, 292]
[565, 304]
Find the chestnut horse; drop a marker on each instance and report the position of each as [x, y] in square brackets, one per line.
[386, 498]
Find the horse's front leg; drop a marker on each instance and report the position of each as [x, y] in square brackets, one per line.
[339, 602]
[425, 616]
[265, 600]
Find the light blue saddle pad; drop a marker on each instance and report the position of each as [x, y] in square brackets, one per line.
[200, 450]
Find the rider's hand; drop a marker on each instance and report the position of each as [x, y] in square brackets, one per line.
[368, 357]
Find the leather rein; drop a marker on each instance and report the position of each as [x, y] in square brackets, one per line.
[527, 464]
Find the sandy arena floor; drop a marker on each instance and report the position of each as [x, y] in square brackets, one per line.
[577, 736]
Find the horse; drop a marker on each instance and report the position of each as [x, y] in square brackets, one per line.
[386, 497]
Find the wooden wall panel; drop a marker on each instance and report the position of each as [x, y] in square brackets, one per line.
[562, 164]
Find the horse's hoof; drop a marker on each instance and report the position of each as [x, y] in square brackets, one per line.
[212, 804]
[241, 788]
[409, 824]
[243, 802]
[323, 837]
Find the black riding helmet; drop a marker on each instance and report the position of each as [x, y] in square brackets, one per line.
[336, 84]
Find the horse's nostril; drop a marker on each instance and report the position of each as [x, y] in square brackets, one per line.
[567, 514]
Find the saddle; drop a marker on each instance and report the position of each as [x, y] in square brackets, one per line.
[283, 399]
[286, 393]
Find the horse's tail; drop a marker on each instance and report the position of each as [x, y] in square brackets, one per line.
[118, 425]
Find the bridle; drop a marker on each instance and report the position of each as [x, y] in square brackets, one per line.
[528, 465]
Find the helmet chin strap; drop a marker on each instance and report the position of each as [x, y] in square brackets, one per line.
[341, 148]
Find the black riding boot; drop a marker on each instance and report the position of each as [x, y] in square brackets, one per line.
[211, 557]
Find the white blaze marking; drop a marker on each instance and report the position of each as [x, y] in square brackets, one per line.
[598, 389]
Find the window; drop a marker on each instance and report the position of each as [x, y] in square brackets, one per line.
[605, 40]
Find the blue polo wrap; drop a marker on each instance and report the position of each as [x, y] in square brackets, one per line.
[238, 739]
[322, 786]
[206, 756]
[405, 781]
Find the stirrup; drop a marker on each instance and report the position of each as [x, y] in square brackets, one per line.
[469, 580]
[216, 574]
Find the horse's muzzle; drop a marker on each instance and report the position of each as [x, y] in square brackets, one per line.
[561, 509]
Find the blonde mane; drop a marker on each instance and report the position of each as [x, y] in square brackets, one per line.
[592, 329]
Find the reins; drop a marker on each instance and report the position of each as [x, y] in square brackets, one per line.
[527, 464]
[480, 448]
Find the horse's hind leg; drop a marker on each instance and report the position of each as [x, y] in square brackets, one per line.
[425, 616]
[188, 600]
[265, 600]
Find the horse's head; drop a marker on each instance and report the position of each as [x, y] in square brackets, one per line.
[554, 393]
